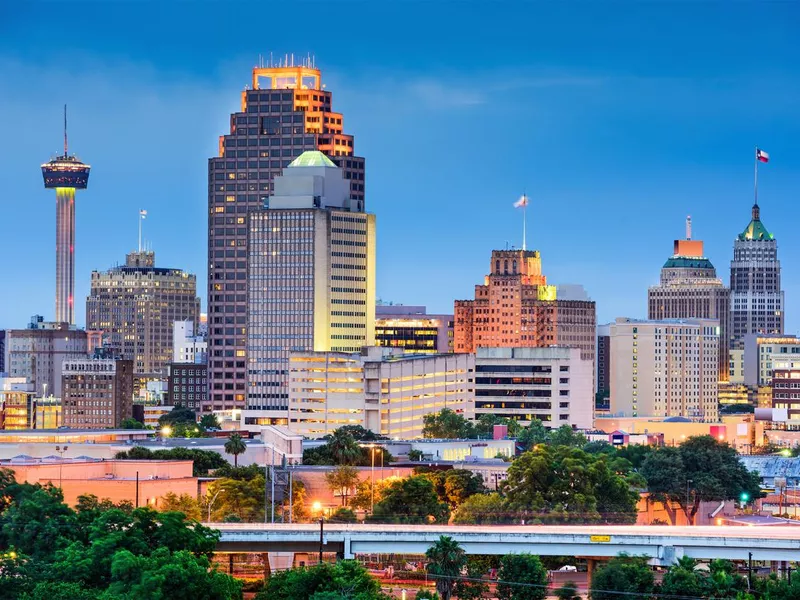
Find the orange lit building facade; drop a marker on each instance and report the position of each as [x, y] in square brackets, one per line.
[285, 112]
[515, 308]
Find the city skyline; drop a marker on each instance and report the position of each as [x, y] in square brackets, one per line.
[605, 162]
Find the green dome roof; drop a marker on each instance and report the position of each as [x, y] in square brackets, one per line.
[312, 158]
[755, 230]
[687, 262]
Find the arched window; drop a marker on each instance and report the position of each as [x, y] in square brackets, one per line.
[497, 266]
[505, 267]
[514, 266]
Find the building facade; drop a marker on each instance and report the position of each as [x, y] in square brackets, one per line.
[380, 389]
[136, 305]
[36, 353]
[188, 346]
[412, 329]
[187, 385]
[97, 392]
[311, 281]
[603, 383]
[515, 308]
[757, 302]
[17, 403]
[690, 289]
[285, 112]
[554, 385]
[786, 393]
[665, 368]
[763, 352]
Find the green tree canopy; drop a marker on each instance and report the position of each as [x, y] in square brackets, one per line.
[447, 424]
[561, 483]
[521, 577]
[482, 509]
[410, 500]
[454, 485]
[209, 421]
[446, 558]
[623, 578]
[325, 581]
[700, 469]
[131, 424]
[203, 460]
[342, 481]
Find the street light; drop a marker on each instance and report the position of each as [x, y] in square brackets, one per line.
[317, 506]
[61, 450]
[166, 431]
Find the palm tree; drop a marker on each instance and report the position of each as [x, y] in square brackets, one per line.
[447, 559]
[236, 446]
[343, 448]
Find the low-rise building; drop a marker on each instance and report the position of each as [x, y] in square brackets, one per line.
[16, 403]
[412, 329]
[187, 385]
[48, 413]
[554, 385]
[188, 346]
[97, 392]
[381, 390]
[140, 482]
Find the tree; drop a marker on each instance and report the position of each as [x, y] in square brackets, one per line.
[484, 426]
[481, 509]
[472, 587]
[325, 581]
[521, 577]
[700, 469]
[361, 434]
[447, 424]
[415, 455]
[343, 515]
[446, 559]
[235, 446]
[342, 480]
[184, 503]
[131, 424]
[565, 484]
[363, 498]
[566, 436]
[203, 460]
[182, 421]
[621, 578]
[410, 500]
[682, 579]
[243, 498]
[209, 421]
[535, 433]
[568, 591]
[344, 449]
[454, 485]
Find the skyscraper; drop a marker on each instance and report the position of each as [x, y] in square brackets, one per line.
[515, 308]
[311, 280]
[690, 289]
[756, 296]
[136, 305]
[285, 112]
[65, 174]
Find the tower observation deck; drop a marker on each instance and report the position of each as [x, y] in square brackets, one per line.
[65, 174]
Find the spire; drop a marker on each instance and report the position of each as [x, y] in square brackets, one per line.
[689, 227]
[756, 212]
[65, 130]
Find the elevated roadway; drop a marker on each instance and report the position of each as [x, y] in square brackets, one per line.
[662, 544]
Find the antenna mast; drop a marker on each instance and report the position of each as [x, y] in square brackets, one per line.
[689, 227]
[65, 130]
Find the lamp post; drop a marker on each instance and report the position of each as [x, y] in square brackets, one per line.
[317, 506]
[61, 450]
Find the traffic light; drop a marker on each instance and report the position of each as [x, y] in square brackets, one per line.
[744, 497]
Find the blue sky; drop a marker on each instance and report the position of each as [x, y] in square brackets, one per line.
[618, 119]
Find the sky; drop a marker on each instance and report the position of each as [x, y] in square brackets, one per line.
[618, 119]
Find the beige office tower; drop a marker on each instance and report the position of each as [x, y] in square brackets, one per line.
[665, 368]
[136, 305]
[311, 281]
[690, 289]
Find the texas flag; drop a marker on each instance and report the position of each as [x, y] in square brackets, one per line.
[522, 202]
[762, 156]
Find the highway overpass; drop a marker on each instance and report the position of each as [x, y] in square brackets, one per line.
[663, 544]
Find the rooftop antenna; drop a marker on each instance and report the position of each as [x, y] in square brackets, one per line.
[65, 130]
[142, 215]
[271, 61]
[689, 227]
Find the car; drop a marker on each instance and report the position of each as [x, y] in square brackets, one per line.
[569, 569]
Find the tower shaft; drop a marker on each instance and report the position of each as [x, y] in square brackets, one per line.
[65, 255]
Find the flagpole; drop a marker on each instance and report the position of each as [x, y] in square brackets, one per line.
[140, 231]
[524, 223]
[755, 182]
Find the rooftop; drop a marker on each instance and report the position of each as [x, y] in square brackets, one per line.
[312, 158]
[687, 262]
[755, 230]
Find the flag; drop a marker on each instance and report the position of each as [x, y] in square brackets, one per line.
[522, 202]
[143, 213]
[762, 156]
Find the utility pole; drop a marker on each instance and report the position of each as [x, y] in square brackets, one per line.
[749, 570]
[321, 532]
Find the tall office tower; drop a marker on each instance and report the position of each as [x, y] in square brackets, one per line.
[412, 329]
[285, 112]
[38, 352]
[690, 289]
[97, 392]
[515, 308]
[65, 174]
[665, 368]
[603, 381]
[311, 281]
[756, 295]
[136, 305]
